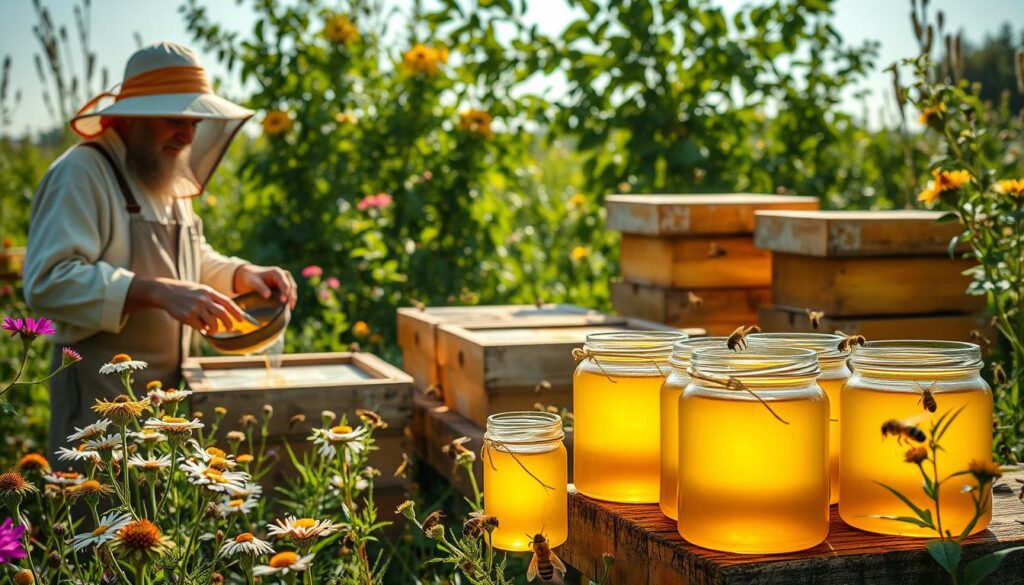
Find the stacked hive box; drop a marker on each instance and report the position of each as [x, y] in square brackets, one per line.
[690, 259]
[881, 274]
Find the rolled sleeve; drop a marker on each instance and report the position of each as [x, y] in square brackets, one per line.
[217, 270]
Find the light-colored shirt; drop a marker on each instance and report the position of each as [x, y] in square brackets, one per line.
[78, 257]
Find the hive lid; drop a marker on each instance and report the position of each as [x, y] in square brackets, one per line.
[695, 214]
[854, 233]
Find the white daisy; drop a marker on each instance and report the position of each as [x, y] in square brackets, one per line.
[342, 435]
[215, 480]
[92, 431]
[109, 525]
[147, 435]
[149, 463]
[122, 363]
[250, 490]
[107, 443]
[338, 483]
[246, 544]
[80, 454]
[168, 396]
[212, 456]
[170, 424]
[64, 478]
[283, 562]
[238, 505]
[302, 529]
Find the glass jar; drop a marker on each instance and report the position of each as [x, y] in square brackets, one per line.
[834, 373]
[616, 429]
[525, 478]
[888, 383]
[753, 451]
[677, 380]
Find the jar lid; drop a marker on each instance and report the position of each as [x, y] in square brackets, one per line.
[683, 349]
[826, 345]
[917, 354]
[656, 345]
[759, 363]
[524, 427]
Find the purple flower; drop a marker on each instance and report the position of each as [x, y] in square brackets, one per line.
[28, 327]
[10, 542]
[69, 356]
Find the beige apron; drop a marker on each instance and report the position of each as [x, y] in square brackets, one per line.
[168, 250]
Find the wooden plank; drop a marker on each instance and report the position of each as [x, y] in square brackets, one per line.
[854, 233]
[873, 286]
[496, 369]
[719, 311]
[417, 327]
[689, 215]
[435, 425]
[951, 327]
[695, 262]
[649, 551]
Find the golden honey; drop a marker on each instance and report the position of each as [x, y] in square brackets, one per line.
[525, 479]
[679, 361]
[886, 385]
[749, 482]
[834, 373]
[617, 425]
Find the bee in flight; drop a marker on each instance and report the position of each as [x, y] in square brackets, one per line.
[544, 562]
[849, 341]
[738, 338]
[927, 398]
[692, 300]
[906, 429]
[815, 317]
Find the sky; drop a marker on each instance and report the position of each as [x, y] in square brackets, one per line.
[116, 22]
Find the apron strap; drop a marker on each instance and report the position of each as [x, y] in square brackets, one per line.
[130, 203]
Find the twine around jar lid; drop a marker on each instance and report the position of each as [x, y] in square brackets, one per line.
[826, 345]
[524, 427]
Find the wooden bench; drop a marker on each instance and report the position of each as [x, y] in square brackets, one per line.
[649, 551]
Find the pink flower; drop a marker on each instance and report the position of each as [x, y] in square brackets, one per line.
[376, 201]
[324, 295]
[69, 356]
[28, 327]
[10, 542]
[334, 283]
[312, 270]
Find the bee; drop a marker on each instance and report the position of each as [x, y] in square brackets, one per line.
[693, 300]
[815, 317]
[849, 341]
[419, 306]
[455, 448]
[738, 338]
[715, 251]
[977, 336]
[927, 398]
[903, 430]
[542, 385]
[999, 374]
[433, 390]
[544, 562]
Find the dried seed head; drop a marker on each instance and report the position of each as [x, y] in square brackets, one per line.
[268, 410]
[296, 420]
[247, 420]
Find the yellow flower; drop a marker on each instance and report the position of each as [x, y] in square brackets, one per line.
[1011, 187]
[34, 462]
[985, 470]
[422, 59]
[931, 112]
[343, 118]
[577, 200]
[340, 29]
[360, 329]
[122, 411]
[579, 253]
[277, 122]
[140, 541]
[942, 182]
[476, 123]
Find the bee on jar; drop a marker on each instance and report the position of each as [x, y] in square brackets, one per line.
[927, 398]
[815, 317]
[903, 430]
[738, 338]
[849, 341]
[693, 300]
[544, 562]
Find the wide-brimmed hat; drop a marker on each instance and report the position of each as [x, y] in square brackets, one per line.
[166, 80]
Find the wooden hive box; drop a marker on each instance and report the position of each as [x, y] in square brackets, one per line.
[865, 262]
[417, 331]
[307, 384]
[677, 247]
[493, 369]
[949, 327]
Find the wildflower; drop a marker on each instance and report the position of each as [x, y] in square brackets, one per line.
[213, 479]
[235, 437]
[238, 506]
[283, 562]
[92, 431]
[371, 418]
[333, 283]
[930, 112]
[311, 271]
[984, 471]
[277, 122]
[916, 455]
[579, 253]
[360, 329]
[122, 411]
[577, 200]
[247, 420]
[375, 201]
[213, 457]
[28, 328]
[147, 435]
[64, 478]
[942, 182]
[1012, 187]
[69, 356]
[176, 429]
[219, 411]
[268, 410]
[10, 542]
[122, 363]
[407, 509]
[90, 489]
[104, 445]
[433, 527]
[244, 459]
[13, 488]
[340, 29]
[140, 541]
[479, 524]
[302, 530]
[476, 123]
[34, 462]
[422, 59]
[24, 577]
[245, 544]
[249, 490]
[81, 453]
[170, 396]
[109, 524]
[344, 118]
[296, 419]
[149, 464]
[341, 434]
